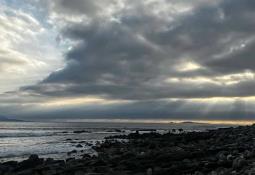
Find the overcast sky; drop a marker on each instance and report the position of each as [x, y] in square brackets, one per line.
[152, 59]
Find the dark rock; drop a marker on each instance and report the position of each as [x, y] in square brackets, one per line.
[239, 163]
[70, 159]
[81, 131]
[226, 151]
[49, 160]
[31, 162]
[79, 146]
[72, 152]
[86, 156]
[98, 163]
[10, 163]
[149, 171]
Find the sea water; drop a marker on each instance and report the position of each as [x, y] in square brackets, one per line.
[18, 140]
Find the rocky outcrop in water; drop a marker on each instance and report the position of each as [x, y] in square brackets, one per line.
[229, 151]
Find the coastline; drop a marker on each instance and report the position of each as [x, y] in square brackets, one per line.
[51, 139]
[221, 151]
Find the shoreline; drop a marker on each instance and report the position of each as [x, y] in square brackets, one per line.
[221, 151]
[19, 140]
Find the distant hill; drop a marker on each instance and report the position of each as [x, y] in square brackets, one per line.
[6, 119]
[190, 122]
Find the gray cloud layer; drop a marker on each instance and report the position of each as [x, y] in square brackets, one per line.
[181, 110]
[132, 58]
[134, 50]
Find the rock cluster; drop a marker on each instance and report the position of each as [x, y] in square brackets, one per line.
[228, 151]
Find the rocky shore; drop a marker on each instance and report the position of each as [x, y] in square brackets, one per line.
[228, 151]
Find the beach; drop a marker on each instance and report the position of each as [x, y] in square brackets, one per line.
[140, 150]
[18, 140]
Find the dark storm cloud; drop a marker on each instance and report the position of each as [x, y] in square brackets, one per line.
[148, 92]
[137, 51]
[80, 7]
[108, 52]
[243, 60]
[131, 58]
[213, 31]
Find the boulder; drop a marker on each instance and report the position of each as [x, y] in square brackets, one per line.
[31, 162]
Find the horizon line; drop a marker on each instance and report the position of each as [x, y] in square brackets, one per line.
[159, 121]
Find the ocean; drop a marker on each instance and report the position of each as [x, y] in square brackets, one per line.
[18, 140]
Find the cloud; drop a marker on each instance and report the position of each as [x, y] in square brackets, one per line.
[156, 109]
[26, 50]
[166, 58]
[7, 59]
[129, 55]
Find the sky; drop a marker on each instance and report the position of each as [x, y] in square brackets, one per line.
[127, 59]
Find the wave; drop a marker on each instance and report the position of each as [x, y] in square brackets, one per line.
[22, 133]
[25, 134]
